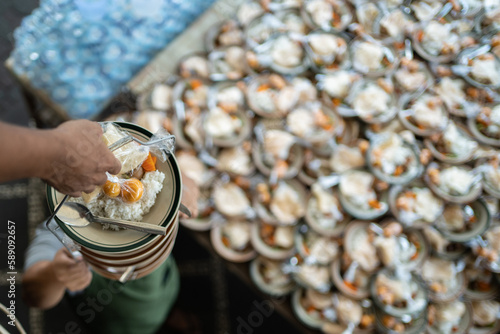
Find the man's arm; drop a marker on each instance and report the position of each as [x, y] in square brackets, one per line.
[25, 152]
[72, 158]
[45, 282]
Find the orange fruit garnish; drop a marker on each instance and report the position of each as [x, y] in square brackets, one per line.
[399, 170]
[410, 194]
[399, 45]
[225, 241]
[267, 230]
[149, 165]
[367, 320]
[336, 102]
[336, 19]
[350, 286]
[111, 189]
[263, 87]
[132, 190]
[374, 204]
[420, 36]
[195, 83]
[281, 168]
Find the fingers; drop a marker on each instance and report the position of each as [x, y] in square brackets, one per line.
[75, 190]
[93, 128]
[79, 278]
[75, 275]
[69, 255]
[88, 189]
[81, 282]
[70, 191]
[74, 186]
[116, 166]
[109, 163]
[88, 159]
[97, 129]
[100, 179]
[75, 271]
[73, 193]
[64, 258]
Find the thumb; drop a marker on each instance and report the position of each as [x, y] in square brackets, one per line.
[115, 166]
[70, 259]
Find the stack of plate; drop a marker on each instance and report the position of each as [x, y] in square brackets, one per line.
[112, 253]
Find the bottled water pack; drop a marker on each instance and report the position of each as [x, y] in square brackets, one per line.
[81, 52]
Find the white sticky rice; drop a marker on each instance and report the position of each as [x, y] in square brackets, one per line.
[103, 206]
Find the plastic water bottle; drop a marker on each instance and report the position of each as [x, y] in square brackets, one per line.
[81, 52]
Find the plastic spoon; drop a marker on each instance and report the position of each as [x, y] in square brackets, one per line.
[329, 181]
[350, 273]
[75, 214]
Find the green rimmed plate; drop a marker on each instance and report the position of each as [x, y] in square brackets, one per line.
[162, 213]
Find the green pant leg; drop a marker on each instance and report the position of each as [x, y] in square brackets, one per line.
[137, 307]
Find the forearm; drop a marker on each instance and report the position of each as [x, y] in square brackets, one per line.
[41, 288]
[25, 152]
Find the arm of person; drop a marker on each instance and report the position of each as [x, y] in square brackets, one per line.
[72, 157]
[45, 282]
[49, 270]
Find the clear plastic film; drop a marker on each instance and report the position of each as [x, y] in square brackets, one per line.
[137, 159]
[126, 188]
[165, 145]
[161, 144]
[479, 66]
[130, 155]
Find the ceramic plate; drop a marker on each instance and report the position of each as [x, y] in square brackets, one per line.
[162, 213]
[135, 252]
[482, 223]
[228, 253]
[302, 313]
[139, 273]
[269, 288]
[139, 263]
[338, 281]
[463, 326]
[148, 252]
[271, 252]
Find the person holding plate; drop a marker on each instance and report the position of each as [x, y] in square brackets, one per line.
[71, 158]
[105, 306]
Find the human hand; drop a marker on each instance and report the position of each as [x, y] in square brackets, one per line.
[190, 194]
[80, 159]
[74, 275]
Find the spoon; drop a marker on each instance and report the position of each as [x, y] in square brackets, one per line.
[75, 214]
[128, 139]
